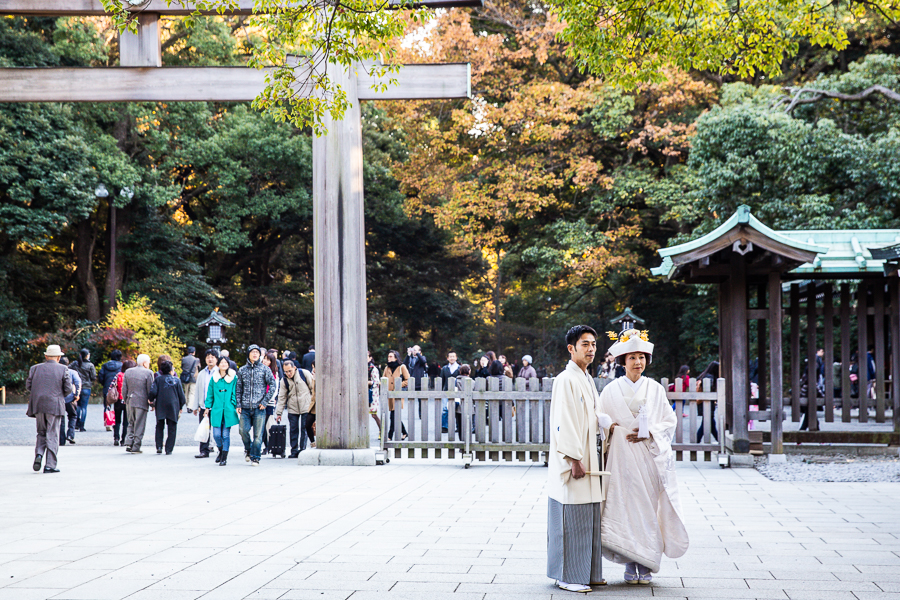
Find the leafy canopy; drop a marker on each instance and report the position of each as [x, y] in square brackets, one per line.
[300, 39]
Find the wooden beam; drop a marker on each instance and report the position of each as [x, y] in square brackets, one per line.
[812, 418]
[93, 8]
[895, 351]
[141, 49]
[862, 330]
[740, 354]
[795, 352]
[192, 84]
[880, 362]
[846, 402]
[828, 344]
[340, 277]
[775, 356]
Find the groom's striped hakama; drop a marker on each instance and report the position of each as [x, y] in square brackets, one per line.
[573, 542]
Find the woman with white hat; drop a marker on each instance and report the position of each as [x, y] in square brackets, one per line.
[642, 517]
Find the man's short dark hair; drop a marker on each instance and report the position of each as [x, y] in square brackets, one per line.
[211, 352]
[312, 348]
[574, 334]
[191, 349]
[115, 355]
[165, 368]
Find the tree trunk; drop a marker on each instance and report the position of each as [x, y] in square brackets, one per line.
[497, 294]
[84, 255]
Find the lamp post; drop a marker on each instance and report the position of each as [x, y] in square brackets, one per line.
[102, 192]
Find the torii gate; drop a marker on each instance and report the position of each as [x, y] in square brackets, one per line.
[338, 221]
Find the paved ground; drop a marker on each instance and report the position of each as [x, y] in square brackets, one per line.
[112, 526]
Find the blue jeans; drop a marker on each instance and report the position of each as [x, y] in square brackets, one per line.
[444, 413]
[252, 417]
[81, 409]
[222, 435]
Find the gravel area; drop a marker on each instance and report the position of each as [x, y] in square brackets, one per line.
[804, 468]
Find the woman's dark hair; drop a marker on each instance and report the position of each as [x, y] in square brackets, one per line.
[63, 360]
[395, 353]
[465, 370]
[115, 355]
[225, 358]
[273, 363]
[128, 364]
[620, 359]
[490, 355]
[495, 368]
[684, 370]
[711, 371]
[166, 368]
[82, 356]
[575, 333]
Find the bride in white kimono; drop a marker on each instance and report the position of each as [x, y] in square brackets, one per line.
[642, 517]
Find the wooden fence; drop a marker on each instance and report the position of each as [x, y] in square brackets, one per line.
[506, 419]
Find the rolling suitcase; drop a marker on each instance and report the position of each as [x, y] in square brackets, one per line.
[277, 440]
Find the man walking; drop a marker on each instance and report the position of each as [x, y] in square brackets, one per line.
[309, 359]
[574, 486]
[71, 401]
[136, 390]
[451, 369]
[298, 395]
[255, 386]
[196, 402]
[190, 366]
[47, 385]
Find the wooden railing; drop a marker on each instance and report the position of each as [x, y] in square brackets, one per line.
[706, 405]
[507, 419]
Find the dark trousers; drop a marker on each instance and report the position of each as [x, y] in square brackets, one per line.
[70, 432]
[306, 430]
[713, 430]
[121, 420]
[170, 437]
[391, 428]
[204, 446]
[294, 421]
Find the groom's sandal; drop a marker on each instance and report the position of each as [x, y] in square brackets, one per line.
[573, 587]
[601, 582]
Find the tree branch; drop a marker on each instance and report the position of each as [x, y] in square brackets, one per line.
[795, 97]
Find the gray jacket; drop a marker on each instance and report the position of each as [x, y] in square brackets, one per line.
[136, 387]
[47, 385]
[255, 385]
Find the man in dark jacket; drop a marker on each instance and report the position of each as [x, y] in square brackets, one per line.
[255, 386]
[109, 370]
[451, 369]
[190, 366]
[309, 359]
[47, 385]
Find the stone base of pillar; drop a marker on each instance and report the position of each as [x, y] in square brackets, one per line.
[777, 459]
[742, 461]
[363, 457]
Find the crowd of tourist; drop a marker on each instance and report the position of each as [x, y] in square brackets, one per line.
[220, 395]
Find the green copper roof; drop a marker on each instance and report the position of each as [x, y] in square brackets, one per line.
[844, 251]
[626, 314]
[215, 317]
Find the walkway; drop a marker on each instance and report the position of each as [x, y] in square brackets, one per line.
[113, 526]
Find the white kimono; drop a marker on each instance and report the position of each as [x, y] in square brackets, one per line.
[573, 433]
[642, 517]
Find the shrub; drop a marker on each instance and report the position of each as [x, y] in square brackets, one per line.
[152, 335]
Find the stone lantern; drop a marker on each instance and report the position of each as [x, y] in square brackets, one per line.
[628, 320]
[216, 324]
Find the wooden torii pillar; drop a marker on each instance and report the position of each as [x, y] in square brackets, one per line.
[339, 231]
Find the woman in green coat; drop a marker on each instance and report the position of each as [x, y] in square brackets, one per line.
[222, 408]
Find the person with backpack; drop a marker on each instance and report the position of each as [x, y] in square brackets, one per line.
[298, 394]
[88, 375]
[190, 366]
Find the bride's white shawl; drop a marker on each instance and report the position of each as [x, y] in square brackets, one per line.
[643, 479]
[573, 433]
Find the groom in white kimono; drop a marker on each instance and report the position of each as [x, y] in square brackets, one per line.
[574, 486]
[642, 517]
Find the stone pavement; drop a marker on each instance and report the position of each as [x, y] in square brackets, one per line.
[113, 526]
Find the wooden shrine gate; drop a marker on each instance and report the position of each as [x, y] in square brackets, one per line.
[509, 420]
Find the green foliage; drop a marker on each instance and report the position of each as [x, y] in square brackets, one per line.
[631, 42]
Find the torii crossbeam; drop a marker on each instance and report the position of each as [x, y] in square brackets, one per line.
[338, 221]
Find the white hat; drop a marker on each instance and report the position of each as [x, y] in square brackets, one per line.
[630, 340]
[527, 358]
[54, 350]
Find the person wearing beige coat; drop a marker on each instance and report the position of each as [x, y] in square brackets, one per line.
[396, 369]
[298, 394]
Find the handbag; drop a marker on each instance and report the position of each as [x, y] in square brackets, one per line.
[109, 417]
[112, 394]
[202, 434]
